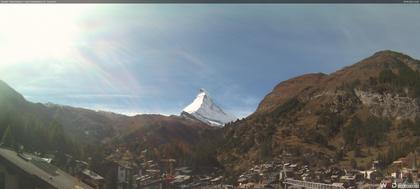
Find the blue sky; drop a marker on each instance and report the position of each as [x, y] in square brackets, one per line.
[145, 58]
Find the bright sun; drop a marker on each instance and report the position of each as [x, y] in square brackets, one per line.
[38, 31]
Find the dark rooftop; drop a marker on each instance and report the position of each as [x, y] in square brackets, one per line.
[42, 170]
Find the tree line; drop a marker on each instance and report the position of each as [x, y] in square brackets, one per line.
[23, 132]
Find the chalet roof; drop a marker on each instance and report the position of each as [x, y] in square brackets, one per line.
[92, 174]
[40, 170]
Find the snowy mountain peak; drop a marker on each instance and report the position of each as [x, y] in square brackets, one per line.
[204, 109]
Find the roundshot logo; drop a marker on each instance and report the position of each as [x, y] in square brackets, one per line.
[400, 185]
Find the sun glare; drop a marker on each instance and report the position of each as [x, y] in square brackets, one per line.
[38, 31]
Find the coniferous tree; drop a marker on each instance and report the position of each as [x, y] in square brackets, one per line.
[8, 139]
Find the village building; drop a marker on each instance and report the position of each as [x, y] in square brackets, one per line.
[24, 171]
[92, 179]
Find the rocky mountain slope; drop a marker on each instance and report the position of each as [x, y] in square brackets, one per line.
[167, 137]
[86, 129]
[83, 124]
[366, 111]
[205, 110]
[30, 125]
[370, 110]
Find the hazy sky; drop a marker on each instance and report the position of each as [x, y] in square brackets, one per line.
[144, 58]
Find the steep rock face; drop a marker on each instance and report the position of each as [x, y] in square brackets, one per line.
[204, 109]
[315, 114]
[313, 84]
[389, 105]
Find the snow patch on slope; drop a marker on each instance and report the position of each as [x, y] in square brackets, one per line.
[204, 109]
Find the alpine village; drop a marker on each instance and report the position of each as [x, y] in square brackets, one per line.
[358, 127]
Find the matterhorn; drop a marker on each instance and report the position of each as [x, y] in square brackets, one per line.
[205, 110]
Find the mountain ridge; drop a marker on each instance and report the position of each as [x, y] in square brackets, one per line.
[205, 110]
[321, 119]
[318, 119]
[90, 127]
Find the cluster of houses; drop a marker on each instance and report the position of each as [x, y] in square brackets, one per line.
[163, 175]
[19, 170]
[30, 171]
[403, 173]
[140, 172]
[80, 170]
[260, 176]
